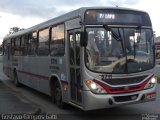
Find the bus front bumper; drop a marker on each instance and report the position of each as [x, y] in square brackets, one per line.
[98, 101]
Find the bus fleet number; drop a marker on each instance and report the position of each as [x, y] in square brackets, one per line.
[104, 77]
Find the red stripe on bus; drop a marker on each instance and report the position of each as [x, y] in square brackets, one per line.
[118, 90]
[34, 75]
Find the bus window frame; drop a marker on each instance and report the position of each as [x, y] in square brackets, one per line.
[17, 47]
[26, 42]
[50, 40]
[31, 40]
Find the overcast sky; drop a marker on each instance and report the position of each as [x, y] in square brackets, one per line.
[26, 13]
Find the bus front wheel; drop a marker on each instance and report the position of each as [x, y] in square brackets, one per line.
[58, 95]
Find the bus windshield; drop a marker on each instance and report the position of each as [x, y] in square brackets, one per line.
[119, 49]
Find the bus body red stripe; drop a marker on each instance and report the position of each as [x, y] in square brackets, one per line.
[34, 75]
[118, 90]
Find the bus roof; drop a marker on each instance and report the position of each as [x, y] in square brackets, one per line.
[70, 15]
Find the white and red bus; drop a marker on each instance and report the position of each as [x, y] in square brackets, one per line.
[91, 58]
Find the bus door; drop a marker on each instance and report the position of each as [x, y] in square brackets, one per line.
[74, 66]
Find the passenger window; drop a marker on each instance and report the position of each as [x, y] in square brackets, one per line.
[43, 48]
[72, 51]
[78, 48]
[17, 47]
[12, 46]
[57, 41]
[32, 44]
[5, 48]
[24, 42]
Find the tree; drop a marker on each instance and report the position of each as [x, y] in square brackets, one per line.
[15, 29]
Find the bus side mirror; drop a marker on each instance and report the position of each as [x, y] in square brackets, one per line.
[84, 39]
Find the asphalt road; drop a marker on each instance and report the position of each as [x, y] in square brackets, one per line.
[13, 102]
[130, 112]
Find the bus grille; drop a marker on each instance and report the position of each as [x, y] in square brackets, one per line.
[125, 81]
[125, 98]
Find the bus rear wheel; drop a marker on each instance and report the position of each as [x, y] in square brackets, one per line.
[58, 96]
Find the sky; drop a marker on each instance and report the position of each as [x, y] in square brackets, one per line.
[26, 13]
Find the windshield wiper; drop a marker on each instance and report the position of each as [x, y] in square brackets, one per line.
[114, 34]
[118, 37]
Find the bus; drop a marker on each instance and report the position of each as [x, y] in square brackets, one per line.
[91, 58]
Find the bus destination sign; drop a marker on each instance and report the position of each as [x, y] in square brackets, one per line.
[105, 17]
[119, 17]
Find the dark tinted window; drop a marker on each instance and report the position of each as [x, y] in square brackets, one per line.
[24, 43]
[32, 44]
[17, 46]
[57, 40]
[77, 48]
[43, 48]
[5, 48]
[72, 51]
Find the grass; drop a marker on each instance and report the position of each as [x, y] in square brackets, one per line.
[158, 79]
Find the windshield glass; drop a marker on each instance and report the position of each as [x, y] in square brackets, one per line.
[119, 50]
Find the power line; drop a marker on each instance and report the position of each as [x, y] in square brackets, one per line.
[116, 5]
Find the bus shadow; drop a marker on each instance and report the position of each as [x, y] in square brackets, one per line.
[118, 113]
[71, 112]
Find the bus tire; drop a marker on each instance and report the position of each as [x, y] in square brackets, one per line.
[58, 95]
[16, 82]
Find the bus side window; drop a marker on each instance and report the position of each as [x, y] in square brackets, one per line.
[57, 41]
[78, 48]
[32, 44]
[5, 48]
[43, 48]
[71, 42]
[12, 45]
[24, 41]
[17, 46]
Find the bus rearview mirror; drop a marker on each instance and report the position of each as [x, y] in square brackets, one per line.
[84, 39]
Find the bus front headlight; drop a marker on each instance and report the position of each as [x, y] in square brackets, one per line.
[94, 87]
[151, 83]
